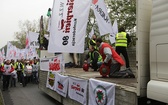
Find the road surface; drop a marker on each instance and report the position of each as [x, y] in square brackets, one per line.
[29, 95]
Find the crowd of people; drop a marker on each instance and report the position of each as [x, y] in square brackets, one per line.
[101, 57]
[21, 70]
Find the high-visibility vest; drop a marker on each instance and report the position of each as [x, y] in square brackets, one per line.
[121, 39]
[100, 59]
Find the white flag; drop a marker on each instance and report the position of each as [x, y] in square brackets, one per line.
[33, 39]
[91, 33]
[101, 93]
[114, 32]
[102, 17]
[115, 27]
[68, 26]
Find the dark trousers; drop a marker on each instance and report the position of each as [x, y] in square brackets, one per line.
[123, 51]
[6, 79]
[24, 80]
[13, 82]
[115, 72]
[19, 75]
[34, 77]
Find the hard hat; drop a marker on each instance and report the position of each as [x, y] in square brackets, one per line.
[85, 67]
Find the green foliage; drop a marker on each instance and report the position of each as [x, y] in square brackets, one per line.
[122, 10]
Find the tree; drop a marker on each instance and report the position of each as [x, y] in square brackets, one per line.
[33, 26]
[122, 10]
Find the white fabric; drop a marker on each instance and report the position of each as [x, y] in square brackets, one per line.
[68, 26]
[101, 93]
[78, 89]
[55, 63]
[35, 67]
[3, 53]
[102, 17]
[14, 74]
[1, 57]
[11, 51]
[7, 69]
[46, 36]
[31, 53]
[33, 39]
[114, 32]
[28, 70]
[61, 84]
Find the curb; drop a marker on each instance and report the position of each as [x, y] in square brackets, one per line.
[1, 98]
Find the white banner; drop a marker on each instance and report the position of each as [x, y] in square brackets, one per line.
[101, 93]
[55, 63]
[27, 41]
[11, 51]
[68, 26]
[78, 90]
[61, 84]
[33, 39]
[50, 80]
[102, 17]
[1, 57]
[3, 53]
[21, 54]
[31, 53]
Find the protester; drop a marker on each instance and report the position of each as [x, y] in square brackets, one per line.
[7, 70]
[13, 78]
[122, 41]
[35, 68]
[112, 60]
[19, 67]
[27, 74]
[95, 58]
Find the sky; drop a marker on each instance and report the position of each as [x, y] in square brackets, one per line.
[13, 11]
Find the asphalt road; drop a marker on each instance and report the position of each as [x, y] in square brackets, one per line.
[29, 95]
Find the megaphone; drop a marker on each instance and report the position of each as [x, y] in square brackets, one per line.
[85, 67]
[104, 70]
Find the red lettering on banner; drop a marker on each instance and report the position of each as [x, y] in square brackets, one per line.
[70, 5]
[54, 66]
[77, 88]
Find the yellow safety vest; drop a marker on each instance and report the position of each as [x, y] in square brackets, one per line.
[121, 39]
[99, 58]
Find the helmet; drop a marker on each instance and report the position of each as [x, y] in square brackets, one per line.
[85, 67]
[104, 70]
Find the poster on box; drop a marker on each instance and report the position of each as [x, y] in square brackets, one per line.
[101, 92]
[61, 84]
[77, 89]
[50, 80]
[55, 63]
